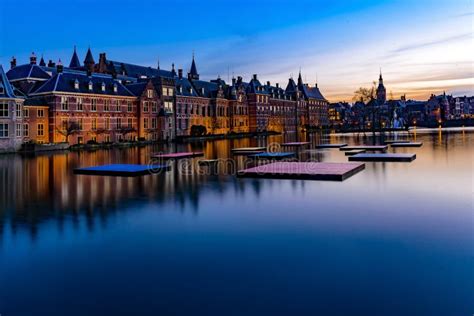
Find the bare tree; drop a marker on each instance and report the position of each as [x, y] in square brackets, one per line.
[365, 94]
[125, 130]
[68, 129]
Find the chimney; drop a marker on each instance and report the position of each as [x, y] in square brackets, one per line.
[13, 62]
[59, 67]
[234, 81]
[239, 79]
[51, 64]
[255, 77]
[180, 73]
[102, 63]
[33, 58]
[277, 85]
[268, 83]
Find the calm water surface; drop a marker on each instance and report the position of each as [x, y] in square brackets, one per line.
[395, 239]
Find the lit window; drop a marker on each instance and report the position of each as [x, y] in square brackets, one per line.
[103, 86]
[41, 129]
[64, 104]
[94, 105]
[76, 84]
[79, 104]
[115, 88]
[3, 130]
[129, 106]
[150, 93]
[90, 85]
[26, 130]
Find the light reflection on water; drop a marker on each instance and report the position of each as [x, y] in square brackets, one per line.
[397, 238]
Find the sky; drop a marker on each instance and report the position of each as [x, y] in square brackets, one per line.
[422, 47]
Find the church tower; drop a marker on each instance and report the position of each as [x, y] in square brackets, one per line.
[381, 92]
[193, 74]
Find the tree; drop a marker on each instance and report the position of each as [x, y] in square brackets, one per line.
[125, 130]
[198, 130]
[365, 94]
[69, 128]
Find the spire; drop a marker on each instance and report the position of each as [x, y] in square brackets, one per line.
[380, 76]
[173, 71]
[42, 63]
[158, 64]
[300, 80]
[193, 74]
[89, 58]
[75, 63]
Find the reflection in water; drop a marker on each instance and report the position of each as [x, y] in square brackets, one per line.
[395, 239]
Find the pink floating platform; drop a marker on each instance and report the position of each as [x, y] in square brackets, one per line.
[295, 144]
[181, 155]
[329, 171]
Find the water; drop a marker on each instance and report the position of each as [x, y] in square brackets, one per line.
[395, 239]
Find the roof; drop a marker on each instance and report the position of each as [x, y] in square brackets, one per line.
[27, 71]
[35, 102]
[291, 87]
[6, 89]
[65, 82]
[312, 92]
[206, 89]
[138, 71]
[137, 88]
[89, 58]
[75, 63]
[184, 87]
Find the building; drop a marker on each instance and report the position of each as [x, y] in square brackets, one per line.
[381, 91]
[113, 101]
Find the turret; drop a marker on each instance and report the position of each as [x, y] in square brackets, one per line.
[89, 62]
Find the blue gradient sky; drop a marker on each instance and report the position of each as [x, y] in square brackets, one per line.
[422, 47]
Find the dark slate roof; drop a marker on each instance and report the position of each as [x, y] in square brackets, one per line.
[255, 86]
[89, 58]
[75, 63]
[205, 89]
[6, 89]
[137, 88]
[35, 102]
[312, 92]
[64, 82]
[291, 87]
[138, 71]
[27, 71]
[184, 87]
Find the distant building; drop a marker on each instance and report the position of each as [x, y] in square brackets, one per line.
[381, 91]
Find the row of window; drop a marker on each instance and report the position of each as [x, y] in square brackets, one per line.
[21, 130]
[109, 105]
[4, 109]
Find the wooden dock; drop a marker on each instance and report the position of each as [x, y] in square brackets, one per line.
[176, 156]
[354, 152]
[407, 144]
[121, 170]
[331, 145]
[274, 156]
[388, 157]
[365, 147]
[325, 171]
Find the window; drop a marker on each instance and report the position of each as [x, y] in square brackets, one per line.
[106, 105]
[90, 85]
[79, 104]
[119, 122]
[107, 123]
[145, 106]
[115, 105]
[168, 106]
[18, 110]
[26, 112]
[94, 105]
[115, 88]
[130, 122]
[129, 106]
[145, 123]
[41, 129]
[3, 109]
[80, 122]
[103, 86]
[149, 93]
[153, 122]
[18, 130]
[165, 91]
[26, 130]
[64, 104]
[76, 84]
[154, 107]
[94, 123]
[3, 130]
[40, 113]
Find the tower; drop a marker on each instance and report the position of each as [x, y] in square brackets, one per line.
[193, 74]
[381, 92]
[89, 62]
[75, 63]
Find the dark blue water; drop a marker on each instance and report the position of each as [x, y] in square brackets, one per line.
[395, 239]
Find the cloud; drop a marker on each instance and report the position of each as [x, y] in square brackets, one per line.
[406, 48]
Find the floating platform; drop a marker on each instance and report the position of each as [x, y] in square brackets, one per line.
[208, 162]
[393, 141]
[121, 170]
[389, 157]
[325, 171]
[180, 155]
[331, 145]
[407, 144]
[295, 144]
[365, 147]
[248, 150]
[274, 156]
[354, 152]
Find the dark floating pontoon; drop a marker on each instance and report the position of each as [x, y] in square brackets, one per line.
[389, 157]
[248, 150]
[365, 147]
[295, 144]
[331, 145]
[407, 144]
[274, 156]
[177, 156]
[121, 170]
[326, 171]
[354, 152]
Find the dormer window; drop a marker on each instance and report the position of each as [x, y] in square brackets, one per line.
[202, 91]
[103, 86]
[76, 84]
[180, 89]
[115, 87]
[191, 90]
[90, 85]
